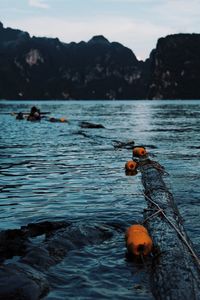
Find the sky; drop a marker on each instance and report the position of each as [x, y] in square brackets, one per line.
[137, 24]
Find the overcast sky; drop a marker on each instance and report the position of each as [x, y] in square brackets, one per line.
[137, 24]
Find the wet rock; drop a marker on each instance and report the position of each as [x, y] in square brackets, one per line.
[15, 241]
[90, 125]
[12, 242]
[35, 248]
[36, 229]
[39, 257]
[79, 235]
[20, 281]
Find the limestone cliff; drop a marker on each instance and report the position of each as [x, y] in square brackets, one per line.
[175, 68]
[44, 68]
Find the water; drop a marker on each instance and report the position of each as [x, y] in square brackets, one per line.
[59, 171]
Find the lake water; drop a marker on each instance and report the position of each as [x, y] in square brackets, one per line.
[59, 171]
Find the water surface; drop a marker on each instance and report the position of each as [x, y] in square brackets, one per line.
[56, 171]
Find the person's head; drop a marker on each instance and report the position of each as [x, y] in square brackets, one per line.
[33, 109]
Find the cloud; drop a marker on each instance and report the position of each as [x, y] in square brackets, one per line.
[182, 15]
[38, 3]
[130, 1]
[138, 31]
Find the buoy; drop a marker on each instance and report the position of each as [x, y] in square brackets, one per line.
[63, 120]
[139, 151]
[138, 241]
[131, 165]
[131, 168]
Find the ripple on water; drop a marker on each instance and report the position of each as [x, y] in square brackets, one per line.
[61, 171]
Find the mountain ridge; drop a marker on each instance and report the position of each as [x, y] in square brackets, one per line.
[46, 68]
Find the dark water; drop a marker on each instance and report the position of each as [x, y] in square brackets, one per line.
[58, 171]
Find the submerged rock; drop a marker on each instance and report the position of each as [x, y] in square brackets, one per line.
[25, 278]
[90, 125]
[20, 281]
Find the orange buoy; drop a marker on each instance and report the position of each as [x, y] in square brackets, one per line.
[63, 120]
[138, 241]
[131, 165]
[131, 168]
[139, 151]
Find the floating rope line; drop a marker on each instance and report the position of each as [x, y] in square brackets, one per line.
[153, 215]
[160, 210]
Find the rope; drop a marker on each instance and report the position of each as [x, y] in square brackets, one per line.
[160, 210]
[153, 215]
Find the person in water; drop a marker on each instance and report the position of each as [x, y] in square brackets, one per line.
[34, 114]
[20, 116]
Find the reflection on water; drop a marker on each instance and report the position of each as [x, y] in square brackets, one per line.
[53, 171]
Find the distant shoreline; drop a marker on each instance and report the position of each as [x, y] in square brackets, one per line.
[90, 100]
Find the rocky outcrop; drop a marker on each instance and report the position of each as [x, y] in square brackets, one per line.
[175, 68]
[43, 68]
[25, 260]
[84, 124]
